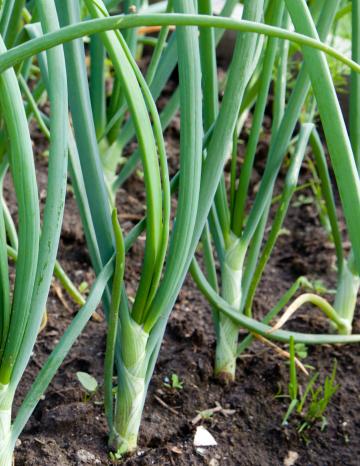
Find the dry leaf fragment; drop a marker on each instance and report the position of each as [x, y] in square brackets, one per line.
[176, 450]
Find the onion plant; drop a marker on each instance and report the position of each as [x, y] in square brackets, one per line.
[241, 233]
[22, 310]
[135, 363]
[348, 275]
[337, 139]
[94, 140]
[23, 302]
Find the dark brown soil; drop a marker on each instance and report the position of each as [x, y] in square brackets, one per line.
[66, 429]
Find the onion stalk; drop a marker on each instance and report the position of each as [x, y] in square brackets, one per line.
[34, 269]
[241, 269]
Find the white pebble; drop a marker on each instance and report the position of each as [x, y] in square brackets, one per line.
[203, 438]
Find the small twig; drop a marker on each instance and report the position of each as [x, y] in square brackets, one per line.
[209, 412]
[160, 401]
[128, 216]
[58, 291]
[150, 29]
[206, 412]
[281, 352]
[36, 363]
[61, 298]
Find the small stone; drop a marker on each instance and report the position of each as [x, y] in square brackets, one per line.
[291, 458]
[84, 456]
[203, 438]
[201, 451]
[214, 462]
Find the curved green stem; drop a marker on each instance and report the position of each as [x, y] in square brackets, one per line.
[126, 71]
[301, 282]
[327, 193]
[56, 188]
[262, 329]
[288, 191]
[320, 303]
[23, 171]
[75, 31]
[113, 319]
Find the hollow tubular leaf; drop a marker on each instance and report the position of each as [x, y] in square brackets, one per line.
[282, 137]
[265, 80]
[327, 193]
[23, 172]
[337, 139]
[4, 282]
[97, 84]
[288, 191]
[190, 163]
[85, 135]
[117, 50]
[113, 318]
[76, 174]
[56, 190]
[80, 29]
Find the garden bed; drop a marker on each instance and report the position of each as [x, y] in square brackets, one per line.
[67, 429]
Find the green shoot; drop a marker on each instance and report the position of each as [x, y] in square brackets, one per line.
[293, 383]
[301, 350]
[319, 401]
[88, 383]
[175, 382]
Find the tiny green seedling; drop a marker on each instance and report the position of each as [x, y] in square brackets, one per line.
[301, 350]
[320, 399]
[115, 456]
[303, 200]
[284, 232]
[140, 174]
[293, 384]
[320, 288]
[89, 384]
[84, 287]
[175, 382]
[314, 410]
[206, 413]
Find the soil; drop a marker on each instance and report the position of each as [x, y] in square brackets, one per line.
[67, 428]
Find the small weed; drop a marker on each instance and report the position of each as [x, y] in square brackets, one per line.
[175, 382]
[319, 401]
[301, 350]
[84, 287]
[89, 384]
[311, 406]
